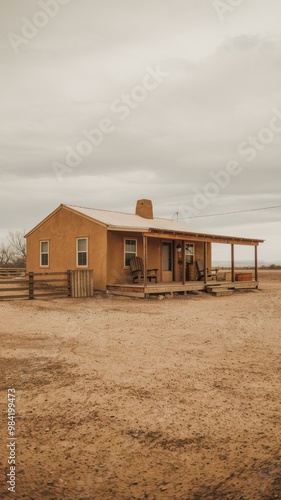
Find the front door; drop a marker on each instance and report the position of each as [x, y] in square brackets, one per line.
[167, 261]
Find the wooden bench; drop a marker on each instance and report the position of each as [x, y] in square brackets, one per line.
[137, 268]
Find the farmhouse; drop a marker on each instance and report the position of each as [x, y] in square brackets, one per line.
[73, 238]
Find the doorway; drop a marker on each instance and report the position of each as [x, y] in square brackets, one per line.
[167, 261]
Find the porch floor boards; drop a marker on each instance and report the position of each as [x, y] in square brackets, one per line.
[139, 290]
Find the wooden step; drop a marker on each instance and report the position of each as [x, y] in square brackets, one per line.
[221, 292]
[217, 288]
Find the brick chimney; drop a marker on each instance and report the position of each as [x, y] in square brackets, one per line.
[144, 209]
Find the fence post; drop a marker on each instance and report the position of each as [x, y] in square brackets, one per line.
[69, 288]
[31, 286]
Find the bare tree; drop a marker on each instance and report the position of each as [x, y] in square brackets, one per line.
[17, 243]
[13, 254]
[7, 256]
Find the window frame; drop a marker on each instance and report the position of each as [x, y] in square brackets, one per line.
[44, 253]
[191, 255]
[125, 253]
[82, 251]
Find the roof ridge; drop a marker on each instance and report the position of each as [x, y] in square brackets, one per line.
[99, 209]
[117, 212]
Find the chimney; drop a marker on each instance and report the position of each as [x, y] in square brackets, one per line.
[144, 209]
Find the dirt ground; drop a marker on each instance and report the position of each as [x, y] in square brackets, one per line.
[121, 398]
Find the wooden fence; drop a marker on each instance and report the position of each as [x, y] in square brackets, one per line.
[12, 271]
[49, 284]
[82, 283]
[78, 283]
[35, 285]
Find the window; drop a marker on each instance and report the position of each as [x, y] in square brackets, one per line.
[189, 252]
[130, 251]
[82, 251]
[44, 253]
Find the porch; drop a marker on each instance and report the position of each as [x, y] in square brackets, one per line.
[175, 255]
[144, 291]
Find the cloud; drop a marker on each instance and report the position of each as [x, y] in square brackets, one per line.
[222, 86]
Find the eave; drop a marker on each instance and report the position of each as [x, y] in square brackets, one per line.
[209, 238]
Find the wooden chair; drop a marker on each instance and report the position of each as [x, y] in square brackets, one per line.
[200, 271]
[136, 264]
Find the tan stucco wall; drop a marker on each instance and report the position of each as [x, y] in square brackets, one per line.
[117, 273]
[61, 230]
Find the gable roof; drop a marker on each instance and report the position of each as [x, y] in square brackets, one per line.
[131, 222]
[121, 220]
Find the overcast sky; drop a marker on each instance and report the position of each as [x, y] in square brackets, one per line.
[104, 102]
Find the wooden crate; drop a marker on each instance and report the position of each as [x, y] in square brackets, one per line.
[243, 276]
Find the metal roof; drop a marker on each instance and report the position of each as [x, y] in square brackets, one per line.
[120, 220]
[131, 222]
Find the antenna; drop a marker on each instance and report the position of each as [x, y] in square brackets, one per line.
[177, 214]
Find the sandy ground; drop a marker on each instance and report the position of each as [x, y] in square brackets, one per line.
[132, 399]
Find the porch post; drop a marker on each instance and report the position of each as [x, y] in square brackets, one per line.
[205, 262]
[256, 263]
[183, 261]
[144, 260]
[232, 264]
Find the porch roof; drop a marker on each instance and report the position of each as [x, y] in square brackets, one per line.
[204, 237]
